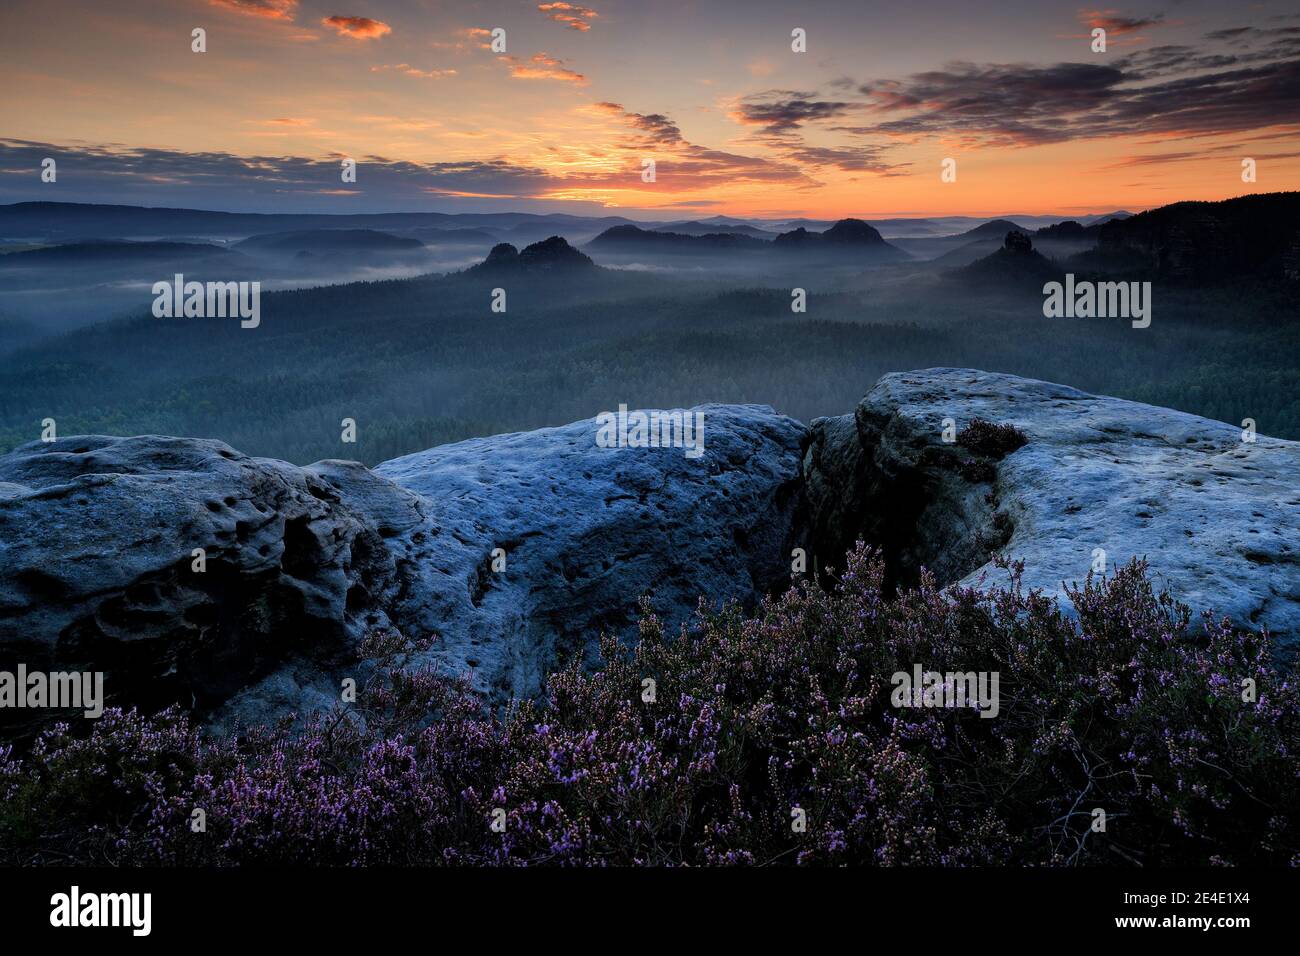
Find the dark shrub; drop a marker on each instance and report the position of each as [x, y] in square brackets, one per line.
[994, 441]
[1017, 241]
[977, 471]
[1123, 709]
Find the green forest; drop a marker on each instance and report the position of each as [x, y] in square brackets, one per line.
[421, 362]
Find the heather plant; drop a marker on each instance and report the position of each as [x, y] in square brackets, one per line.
[990, 439]
[770, 740]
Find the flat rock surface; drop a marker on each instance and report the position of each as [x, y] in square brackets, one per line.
[97, 540]
[586, 531]
[1216, 518]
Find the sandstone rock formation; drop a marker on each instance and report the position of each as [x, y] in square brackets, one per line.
[550, 256]
[1217, 518]
[97, 563]
[98, 535]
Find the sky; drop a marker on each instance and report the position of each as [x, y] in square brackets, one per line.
[564, 119]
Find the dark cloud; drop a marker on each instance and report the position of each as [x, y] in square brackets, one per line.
[158, 176]
[1004, 102]
[1230, 35]
[847, 158]
[780, 117]
[1020, 104]
[1258, 44]
[780, 111]
[689, 166]
[1251, 81]
[658, 129]
[1160, 159]
[1172, 60]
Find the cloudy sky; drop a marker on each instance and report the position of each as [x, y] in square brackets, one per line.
[735, 120]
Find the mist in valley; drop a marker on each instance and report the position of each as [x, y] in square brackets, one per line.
[394, 327]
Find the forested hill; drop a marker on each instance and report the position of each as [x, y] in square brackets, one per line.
[420, 362]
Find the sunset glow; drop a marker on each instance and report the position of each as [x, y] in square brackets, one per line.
[735, 120]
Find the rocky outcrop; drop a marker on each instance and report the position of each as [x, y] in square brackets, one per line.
[585, 531]
[1016, 265]
[97, 569]
[502, 254]
[550, 256]
[1216, 517]
[853, 232]
[849, 238]
[240, 587]
[180, 566]
[845, 232]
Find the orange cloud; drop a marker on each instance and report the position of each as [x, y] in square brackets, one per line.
[408, 70]
[358, 28]
[482, 35]
[1123, 31]
[572, 15]
[684, 167]
[267, 9]
[543, 67]
[1112, 22]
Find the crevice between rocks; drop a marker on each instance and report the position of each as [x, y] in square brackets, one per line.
[882, 479]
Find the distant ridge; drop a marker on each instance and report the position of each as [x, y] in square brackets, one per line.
[634, 238]
[696, 228]
[1203, 243]
[104, 251]
[553, 256]
[60, 220]
[1069, 229]
[991, 230]
[326, 241]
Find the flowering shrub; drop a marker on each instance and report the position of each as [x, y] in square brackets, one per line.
[749, 720]
[995, 441]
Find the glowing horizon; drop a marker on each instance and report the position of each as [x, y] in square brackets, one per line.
[736, 121]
